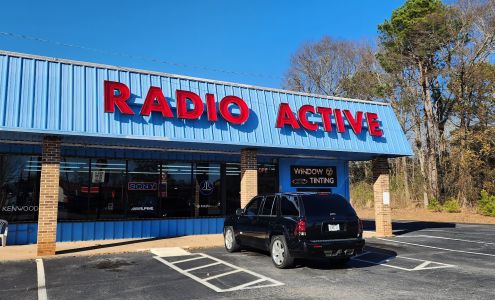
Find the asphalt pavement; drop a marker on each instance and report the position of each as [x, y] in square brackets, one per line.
[423, 261]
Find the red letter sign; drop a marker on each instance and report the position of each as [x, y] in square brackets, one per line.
[286, 117]
[339, 120]
[211, 107]
[227, 115]
[161, 105]
[373, 125]
[182, 111]
[356, 124]
[325, 117]
[302, 114]
[111, 100]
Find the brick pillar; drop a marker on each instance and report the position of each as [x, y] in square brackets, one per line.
[249, 175]
[381, 191]
[49, 185]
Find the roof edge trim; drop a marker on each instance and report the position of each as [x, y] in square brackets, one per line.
[141, 71]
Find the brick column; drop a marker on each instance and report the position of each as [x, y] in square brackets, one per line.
[249, 175]
[381, 191]
[49, 185]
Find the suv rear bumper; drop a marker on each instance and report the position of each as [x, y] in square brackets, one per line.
[328, 248]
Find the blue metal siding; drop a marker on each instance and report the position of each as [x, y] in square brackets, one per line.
[44, 96]
[22, 234]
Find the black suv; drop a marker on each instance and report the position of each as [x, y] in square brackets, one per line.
[297, 225]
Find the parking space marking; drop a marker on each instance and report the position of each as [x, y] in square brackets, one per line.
[189, 259]
[424, 265]
[41, 280]
[235, 270]
[438, 248]
[201, 267]
[444, 238]
[223, 274]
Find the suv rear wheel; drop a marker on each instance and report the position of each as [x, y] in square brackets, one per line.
[280, 253]
[231, 244]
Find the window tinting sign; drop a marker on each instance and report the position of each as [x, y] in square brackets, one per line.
[301, 176]
[206, 188]
[142, 186]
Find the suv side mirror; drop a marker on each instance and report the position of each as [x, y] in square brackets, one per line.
[239, 211]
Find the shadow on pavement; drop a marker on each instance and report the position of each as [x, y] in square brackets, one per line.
[374, 257]
[102, 246]
[404, 227]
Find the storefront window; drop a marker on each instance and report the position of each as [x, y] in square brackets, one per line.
[143, 195]
[74, 199]
[207, 196]
[267, 178]
[102, 189]
[233, 187]
[108, 178]
[19, 187]
[176, 189]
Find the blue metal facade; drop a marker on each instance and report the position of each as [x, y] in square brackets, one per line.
[40, 95]
[21, 234]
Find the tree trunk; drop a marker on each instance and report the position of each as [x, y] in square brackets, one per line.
[419, 145]
[431, 132]
[406, 179]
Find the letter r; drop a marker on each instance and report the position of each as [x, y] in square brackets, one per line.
[111, 99]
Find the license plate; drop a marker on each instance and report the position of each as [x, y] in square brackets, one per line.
[332, 227]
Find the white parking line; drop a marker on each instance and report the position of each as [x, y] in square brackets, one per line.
[41, 280]
[424, 265]
[445, 238]
[201, 267]
[189, 259]
[223, 274]
[236, 270]
[438, 248]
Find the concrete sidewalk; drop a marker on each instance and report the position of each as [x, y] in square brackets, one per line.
[83, 248]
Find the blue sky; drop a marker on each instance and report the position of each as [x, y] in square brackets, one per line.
[251, 40]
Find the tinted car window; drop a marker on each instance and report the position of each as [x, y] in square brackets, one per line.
[288, 206]
[323, 205]
[253, 206]
[268, 208]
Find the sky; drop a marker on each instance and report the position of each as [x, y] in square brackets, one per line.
[248, 41]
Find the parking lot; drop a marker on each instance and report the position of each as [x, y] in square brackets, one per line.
[423, 260]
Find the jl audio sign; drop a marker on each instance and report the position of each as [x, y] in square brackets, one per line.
[191, 106]
[309, 176]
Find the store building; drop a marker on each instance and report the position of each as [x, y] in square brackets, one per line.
[90, 151]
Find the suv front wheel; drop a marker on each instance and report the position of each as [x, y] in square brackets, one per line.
[280, 253]
[231, 244]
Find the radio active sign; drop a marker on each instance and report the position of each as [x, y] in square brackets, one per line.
[117, 94]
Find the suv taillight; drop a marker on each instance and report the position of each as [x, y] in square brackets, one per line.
[300, 227]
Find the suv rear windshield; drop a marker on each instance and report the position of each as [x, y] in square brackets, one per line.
[322, 205]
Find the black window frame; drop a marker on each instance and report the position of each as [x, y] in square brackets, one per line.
[298, 203]
[262, 200]
[271, 209]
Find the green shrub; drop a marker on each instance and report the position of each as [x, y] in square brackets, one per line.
[487, 204]
[452, 206]
[362, 194]
[434, 205]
